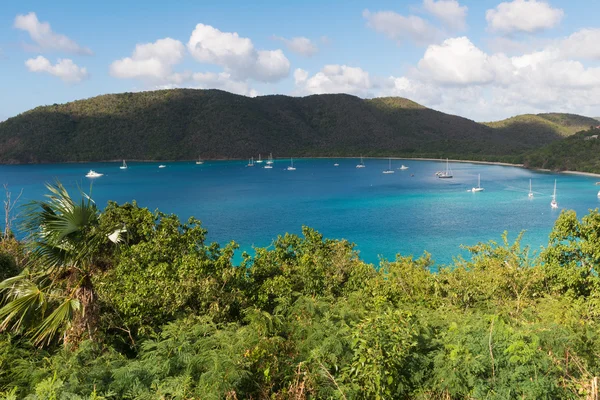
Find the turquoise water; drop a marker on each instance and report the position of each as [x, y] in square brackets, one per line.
[383, 214]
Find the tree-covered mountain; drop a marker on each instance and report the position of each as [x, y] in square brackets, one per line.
[185, 123]
[579, 152]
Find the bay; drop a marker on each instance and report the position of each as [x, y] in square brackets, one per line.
[384, 214]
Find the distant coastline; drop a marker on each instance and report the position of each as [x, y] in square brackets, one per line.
[590, 174]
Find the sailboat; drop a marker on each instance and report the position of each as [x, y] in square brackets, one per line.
[199, 161]
[124, 166]
[362, 164]
[389, 170]
[478, 188]
[291, 166]
[336, 165]
[447, 174]
[270, 160]
[250, 162]
[553, 203]
[259, 161]
[530, 192]
[403, 167]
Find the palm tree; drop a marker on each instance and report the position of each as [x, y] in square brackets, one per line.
[55, 294]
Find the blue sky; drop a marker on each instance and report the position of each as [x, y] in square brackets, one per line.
[480, 59]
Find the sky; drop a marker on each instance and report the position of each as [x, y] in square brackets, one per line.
[481, 59]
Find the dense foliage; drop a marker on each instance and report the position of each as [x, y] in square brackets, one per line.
[306, 318]
[184, 124]
[580, 152]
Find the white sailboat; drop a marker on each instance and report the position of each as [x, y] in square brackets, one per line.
[270, 160]
[162, 166]
[530, 195]
[478, 188]
[259, 161]
[336, 165]
[389, 170]
[124, 166]
[93, 174]
[362, 164]
[553, 203]
[199, 161]
[291, 166]
[447, 174]
[250, 162]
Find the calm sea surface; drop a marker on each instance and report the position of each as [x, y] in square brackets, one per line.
[384, 214]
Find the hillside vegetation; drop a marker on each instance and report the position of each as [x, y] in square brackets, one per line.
[159, 313]
[184, 123]
[579, 152]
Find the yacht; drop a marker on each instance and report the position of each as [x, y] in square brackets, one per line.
[478, 188]
[336, 165]
[268, 166]
[362, 164]
[447, 174]
[260, 160]
[162, 166]
[270, 160]
[389, 170]
[403, 167]
[530, 195]
[553, 203]
[250, 162]
[124, 166]
[199, 161]
[93, 174]
[291, 166]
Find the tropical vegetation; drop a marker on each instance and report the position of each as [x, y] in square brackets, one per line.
[126, 303]
[182, 124]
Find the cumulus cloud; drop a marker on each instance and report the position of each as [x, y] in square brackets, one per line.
[335, 79]
[223, 81]
[64, 69]
[153, 62]
[457, 61]
[582, 44]
[299, 45]
[458, 77]
[450, 12]
[237, 55]
[399, 27]
[45, 39]
[523, 16]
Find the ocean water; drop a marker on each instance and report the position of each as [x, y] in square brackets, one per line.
[383, 214]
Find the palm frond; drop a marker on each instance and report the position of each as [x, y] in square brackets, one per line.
[25, 299]
[60, 317]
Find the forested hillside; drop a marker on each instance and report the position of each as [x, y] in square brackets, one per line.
[184, 124]
[579, 152]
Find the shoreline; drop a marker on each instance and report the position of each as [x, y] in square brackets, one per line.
[505, 164]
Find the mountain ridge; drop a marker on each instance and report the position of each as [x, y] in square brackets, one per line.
[180, 124]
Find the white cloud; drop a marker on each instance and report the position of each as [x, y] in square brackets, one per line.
[335, 79]
[237, 55]
[299, 45]
[523, 16]
[400, 28]
[582, 44]
[153, 62]
[457, 61]
[65, 69]
[45, 38]
[222, 81]
[450, 12]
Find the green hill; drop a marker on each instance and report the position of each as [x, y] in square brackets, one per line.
[542, 125]
[184, 123]
[579, 152]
